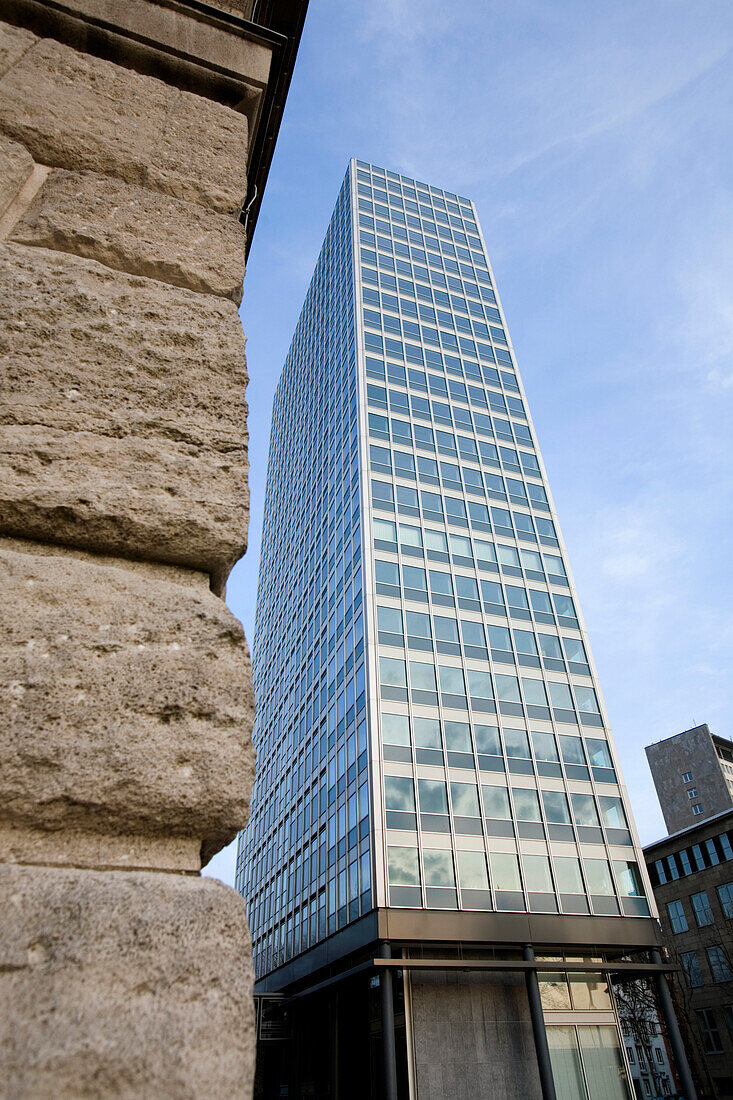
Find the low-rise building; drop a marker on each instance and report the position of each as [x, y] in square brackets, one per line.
[645, 1043]
[691, 872]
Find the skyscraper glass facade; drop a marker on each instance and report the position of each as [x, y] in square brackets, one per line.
[304, 861]
[430, 732]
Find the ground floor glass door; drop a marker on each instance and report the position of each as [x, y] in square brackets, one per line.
[587, 1062]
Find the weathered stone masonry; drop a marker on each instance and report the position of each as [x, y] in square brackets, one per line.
[125, 691]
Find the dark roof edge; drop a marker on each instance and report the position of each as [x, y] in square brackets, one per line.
[286, 18]
[689, 829]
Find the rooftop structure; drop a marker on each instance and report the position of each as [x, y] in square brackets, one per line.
[693, 775]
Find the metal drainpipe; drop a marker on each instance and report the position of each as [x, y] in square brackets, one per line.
[673, 1031]
[538, 1027]
[389, 1053]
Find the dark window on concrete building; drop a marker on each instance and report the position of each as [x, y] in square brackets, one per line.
[711, 1039]
[728, 1016]
[719, 965]
[677, 918]
[725, 893]
[691, 967]
[701, 908]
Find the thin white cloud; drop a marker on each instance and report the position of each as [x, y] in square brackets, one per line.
[452, 81]
[706, 286]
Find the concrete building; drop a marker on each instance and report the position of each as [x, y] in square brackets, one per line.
[441, 865]
[132, 134]
[692, 875]
[647, 1051]
[693, 775]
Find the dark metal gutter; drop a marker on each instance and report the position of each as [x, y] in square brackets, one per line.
[286, 18]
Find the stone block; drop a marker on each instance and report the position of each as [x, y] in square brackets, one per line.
[123, 983]
[237, 7]
[14, 41]
[201, 155]
[122, 420]
[135, 230]
[126, 699]
[16, 165]
[180, 33]
[100, 851]
[79, 112]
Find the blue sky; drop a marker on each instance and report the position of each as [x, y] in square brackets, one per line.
[597, 143]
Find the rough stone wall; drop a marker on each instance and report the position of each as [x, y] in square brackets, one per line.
[125, 689]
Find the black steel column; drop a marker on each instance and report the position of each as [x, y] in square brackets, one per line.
[334, 1062]
[673, 1031]
[389, 1054]
[538, 1027]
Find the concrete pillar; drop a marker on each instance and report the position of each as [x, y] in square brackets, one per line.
[125, 690]
[673, 1031]
[389, 1053]
[539, 1030]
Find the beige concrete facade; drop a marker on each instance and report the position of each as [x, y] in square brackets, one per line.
[471, 1036]
[125, 688]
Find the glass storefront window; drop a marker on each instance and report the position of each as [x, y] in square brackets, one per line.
[554, 991]
[589, 992]
[567, 1068]
[587, 1063]
[603, 1062]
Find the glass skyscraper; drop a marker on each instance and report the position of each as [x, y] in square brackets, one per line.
[436, 775]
